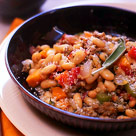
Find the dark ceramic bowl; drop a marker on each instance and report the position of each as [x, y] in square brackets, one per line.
[72, 20]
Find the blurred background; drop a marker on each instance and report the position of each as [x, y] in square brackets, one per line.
[10, 9]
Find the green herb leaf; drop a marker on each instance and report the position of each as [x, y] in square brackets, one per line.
[114, 56]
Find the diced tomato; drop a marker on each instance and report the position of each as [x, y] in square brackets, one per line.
[63, 78]
[125, 65]
[73, 75]
[68, 77]
[126, 69]
[132, 53]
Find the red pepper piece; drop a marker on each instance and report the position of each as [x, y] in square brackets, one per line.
[132, 53]
[68, 77]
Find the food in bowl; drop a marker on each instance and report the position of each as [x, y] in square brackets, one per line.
[62, 75]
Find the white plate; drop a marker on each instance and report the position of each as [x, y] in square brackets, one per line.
[26, 118]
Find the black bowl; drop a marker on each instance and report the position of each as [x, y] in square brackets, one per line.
[72, 20]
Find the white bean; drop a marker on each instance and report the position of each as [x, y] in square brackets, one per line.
[50, 51]
[79, 56]
[99, 43]
[110, 86]
[96, 61]
[60, 48]
[89, 101]
[78, 100]
[68, 65]
[101, 86]
[92, 78]
[103, 56]
[48, 83]
[130, 113]
[48, 69]
[57, 58]
[107, 74]
[36, 57]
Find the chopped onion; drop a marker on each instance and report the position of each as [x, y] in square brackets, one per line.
[86, 69]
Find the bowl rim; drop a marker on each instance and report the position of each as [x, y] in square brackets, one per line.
[39, 101]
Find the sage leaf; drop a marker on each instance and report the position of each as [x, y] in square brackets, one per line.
[113, 57]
